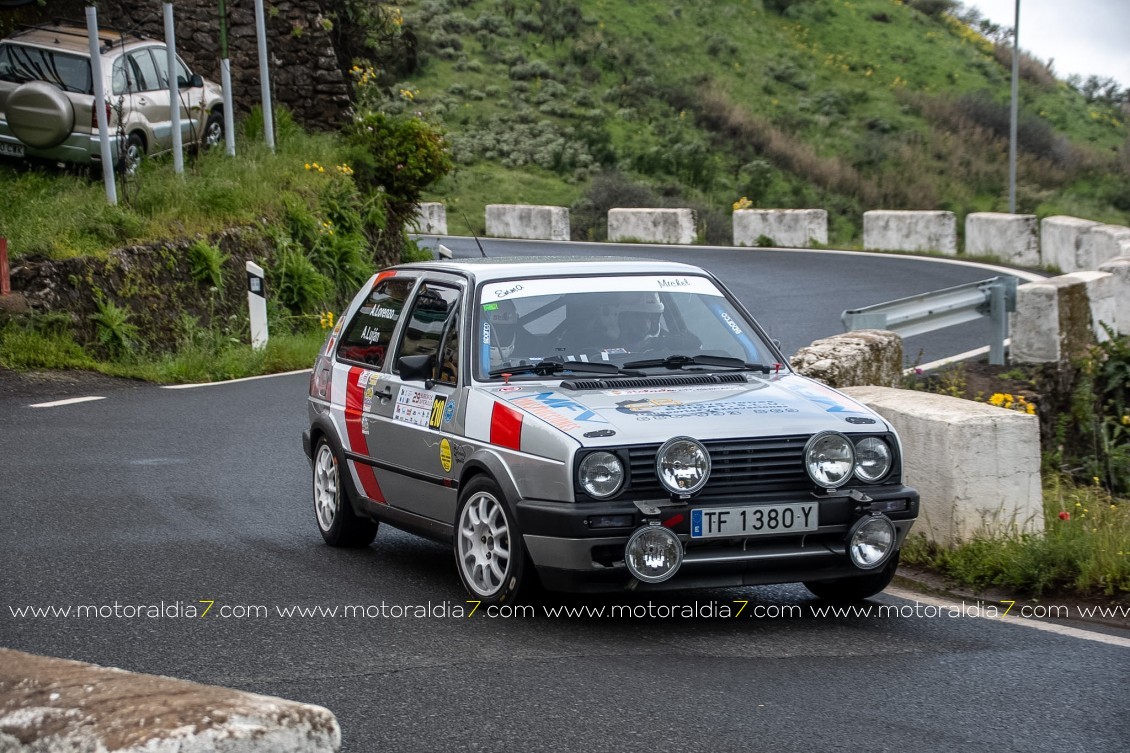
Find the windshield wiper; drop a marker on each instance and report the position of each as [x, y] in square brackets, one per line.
[680, 362]
[552, 366]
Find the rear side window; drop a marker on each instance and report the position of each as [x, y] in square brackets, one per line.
[70, 73]
[366, 339]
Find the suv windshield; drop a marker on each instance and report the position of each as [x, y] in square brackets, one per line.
[19, 64]
[614, 320]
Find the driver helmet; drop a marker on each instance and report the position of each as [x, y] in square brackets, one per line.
[503, 321]
[633, 318]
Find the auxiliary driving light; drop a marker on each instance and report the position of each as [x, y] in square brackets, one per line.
[653, 553]
[872, 541]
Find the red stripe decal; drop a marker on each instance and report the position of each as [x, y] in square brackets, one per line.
[506, 427]
[358, 442]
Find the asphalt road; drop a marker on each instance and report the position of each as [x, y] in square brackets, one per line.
[796, 295]
[193, 496]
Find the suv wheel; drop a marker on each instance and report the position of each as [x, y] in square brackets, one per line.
[132, 154]
[213, 134]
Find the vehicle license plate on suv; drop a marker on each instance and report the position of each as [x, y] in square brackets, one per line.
[12, 150]
[753, 521]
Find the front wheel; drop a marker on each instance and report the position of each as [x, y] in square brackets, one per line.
[213, 134]
[489, 553]
[339, 525]
[857, 588]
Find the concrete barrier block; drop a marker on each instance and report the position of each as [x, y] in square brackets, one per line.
[49, 704]
[674, 226]
[1100, 244]
[1100, 288]
[1120, 269]
[1060, 239]
[1012, 237]
[976, 466]
[1052, 321]
[431, 218]
[860, 357]
[788, 228]
[527, 221]
[900, 230]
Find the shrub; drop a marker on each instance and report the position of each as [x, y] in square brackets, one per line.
[400, 154]
[206, 263]
[112, 327]
[297, 283]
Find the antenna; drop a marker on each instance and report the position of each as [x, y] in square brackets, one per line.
[465, 219]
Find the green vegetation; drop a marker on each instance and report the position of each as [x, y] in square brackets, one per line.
[846, 105]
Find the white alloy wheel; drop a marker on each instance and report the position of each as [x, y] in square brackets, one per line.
[326, 487]
[484, 544]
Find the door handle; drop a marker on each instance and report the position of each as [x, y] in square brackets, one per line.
[384, 395]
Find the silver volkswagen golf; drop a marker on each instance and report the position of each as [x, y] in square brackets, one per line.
[596, 425]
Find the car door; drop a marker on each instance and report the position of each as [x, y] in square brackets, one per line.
[416, 448]
[361, 359]
[150, 98]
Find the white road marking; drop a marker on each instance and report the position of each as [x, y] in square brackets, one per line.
[967, 355]
[68, 401]
[1047, 627]
[232, 381]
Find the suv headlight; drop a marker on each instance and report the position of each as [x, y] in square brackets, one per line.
[872, 459]
[601, 474]
[682, 465]
[830, 459]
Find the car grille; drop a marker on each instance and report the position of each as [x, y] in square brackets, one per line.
[773, 464]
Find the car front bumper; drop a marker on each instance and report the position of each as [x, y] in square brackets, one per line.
[570, 555]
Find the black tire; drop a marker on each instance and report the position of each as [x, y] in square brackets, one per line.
[339, 525]
[213, 135]
[856, 588]
[489, 553]
[129, 159]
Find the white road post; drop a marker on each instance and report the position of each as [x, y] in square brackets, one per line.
[100, 106]
[257, 304]
[174, 90]
[265, 76]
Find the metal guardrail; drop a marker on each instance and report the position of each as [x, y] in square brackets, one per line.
[917, 314]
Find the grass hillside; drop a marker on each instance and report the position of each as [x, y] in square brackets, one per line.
[847, 105]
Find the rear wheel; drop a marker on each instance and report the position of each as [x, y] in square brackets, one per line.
[132, 154]
[856, 588]
[489, 553]
[339, 525]
[213, 134]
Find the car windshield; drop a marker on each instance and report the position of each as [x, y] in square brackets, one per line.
[639, 320]
[19, 64]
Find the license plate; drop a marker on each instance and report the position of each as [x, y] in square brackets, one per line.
[12, 150]
[753, 521]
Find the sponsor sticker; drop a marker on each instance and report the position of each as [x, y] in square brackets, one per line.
[436, 418]
[445, 455]
[449, 412]
[414, 406]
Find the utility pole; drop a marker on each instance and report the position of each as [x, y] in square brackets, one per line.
[1015, 108]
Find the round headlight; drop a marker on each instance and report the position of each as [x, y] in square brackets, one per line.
[830, 459]
[682, 465]
[653, 554]
[872, 459]
[601, 474]
[872, 541]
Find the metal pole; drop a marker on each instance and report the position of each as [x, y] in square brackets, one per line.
[225, 80]
[100, 106]
[1015, 108]
[5, 281]
[174, 90]
[264, 75]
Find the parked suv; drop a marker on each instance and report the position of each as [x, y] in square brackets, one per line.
[47, 97]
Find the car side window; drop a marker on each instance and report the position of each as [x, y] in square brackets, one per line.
[147, 78]
[433, 330]
[367, 337]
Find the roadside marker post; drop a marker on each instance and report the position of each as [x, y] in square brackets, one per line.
[257, 305]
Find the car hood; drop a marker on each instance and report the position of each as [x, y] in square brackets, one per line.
[785, 404]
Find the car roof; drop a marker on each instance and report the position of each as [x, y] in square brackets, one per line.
[502, 268]
[73, 38]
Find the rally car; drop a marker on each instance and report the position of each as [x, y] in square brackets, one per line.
[596, 424]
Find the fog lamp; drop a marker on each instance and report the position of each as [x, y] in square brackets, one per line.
[872, 541]
[653, 554]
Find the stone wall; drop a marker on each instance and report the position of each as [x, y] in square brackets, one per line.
[527, 221]
[898, 230]
[860, 357]
[307, 76]
[786, 228]
[673, 226]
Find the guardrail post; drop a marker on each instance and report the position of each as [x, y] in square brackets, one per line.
[257, 303]
[998, 323]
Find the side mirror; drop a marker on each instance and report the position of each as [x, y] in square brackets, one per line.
[415, 368]
[196, 81]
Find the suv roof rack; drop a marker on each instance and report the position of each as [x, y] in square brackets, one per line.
[73, 28]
